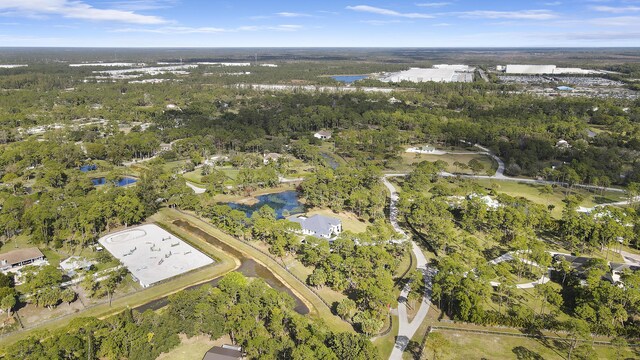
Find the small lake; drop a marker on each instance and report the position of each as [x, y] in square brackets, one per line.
[349, 79]
[87, 168]
[122, 182]
[282, 202]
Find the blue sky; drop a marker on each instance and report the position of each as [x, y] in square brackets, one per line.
[329, 23]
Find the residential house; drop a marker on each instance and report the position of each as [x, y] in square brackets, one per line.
[320, 226]
[322, 135]
[224, 352]
[20, 257]
[269, 157]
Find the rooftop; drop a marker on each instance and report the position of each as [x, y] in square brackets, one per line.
[18, 256]
[321, 225]
[220, 353]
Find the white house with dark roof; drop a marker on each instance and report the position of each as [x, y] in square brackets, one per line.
[323, 135]
[320, 226]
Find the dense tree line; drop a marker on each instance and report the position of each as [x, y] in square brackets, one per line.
[356, 190]
[253, 315]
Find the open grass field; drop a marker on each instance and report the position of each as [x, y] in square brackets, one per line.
[192, 348]
[410, 159]
[463, 345]
[532, 192]
[349, 220]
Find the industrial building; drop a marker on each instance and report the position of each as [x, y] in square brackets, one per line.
[438, 73]
[544, 69]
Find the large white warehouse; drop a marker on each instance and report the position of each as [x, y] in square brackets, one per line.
[544, 69]
[439, 73]
[530, 69]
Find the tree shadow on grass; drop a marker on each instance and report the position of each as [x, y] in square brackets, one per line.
[522, 353]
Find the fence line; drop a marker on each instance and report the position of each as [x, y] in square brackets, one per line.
[503, 333]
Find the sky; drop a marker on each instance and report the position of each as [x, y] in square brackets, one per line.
[327, 23]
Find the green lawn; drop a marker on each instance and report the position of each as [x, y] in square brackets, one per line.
[350, 221]
[194, 176]
[464, 345]
[192, 348]
[385, 343]
[532, 192]
[410, 159]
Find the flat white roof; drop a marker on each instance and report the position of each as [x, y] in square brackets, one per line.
[152, 254]
[530, 69]
[422, 75]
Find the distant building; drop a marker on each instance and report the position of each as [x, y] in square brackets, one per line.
[165, 147]
[320, 226]
[269, 157]
[20, 257]
[530, 69]
[426, 149]
[322, 135]
[224, 352]
[75, 263]
[578, 263]
[544, 69]
[564, 88]
[617, 269]
[563, 144]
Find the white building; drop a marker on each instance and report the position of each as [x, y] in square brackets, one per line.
[319, 226]
[422, 149]
[422, 75]
[544, 69]
[530, 69]
[322, 135]
[269, 157]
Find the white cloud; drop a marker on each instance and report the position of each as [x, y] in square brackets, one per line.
[75, 10]
[434, 4]
[141, 5]
[554, 3]
[292, 14]
[385, 22]
[387, 12]
[521, 15]
[182, 30]
[616, 10]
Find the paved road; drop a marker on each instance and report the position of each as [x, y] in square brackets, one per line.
[629, 258]
[407, 329]
[500, 176]
[198, 190]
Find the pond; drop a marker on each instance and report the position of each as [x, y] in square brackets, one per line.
[248, 267]
[122, 182]
[349, 79]
[87, 168]
[284, 203]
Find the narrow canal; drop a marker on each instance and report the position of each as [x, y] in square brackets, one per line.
[248, 267]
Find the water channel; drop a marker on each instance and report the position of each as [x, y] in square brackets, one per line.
[248, 267]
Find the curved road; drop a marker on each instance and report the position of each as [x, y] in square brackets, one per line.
[407, 328]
